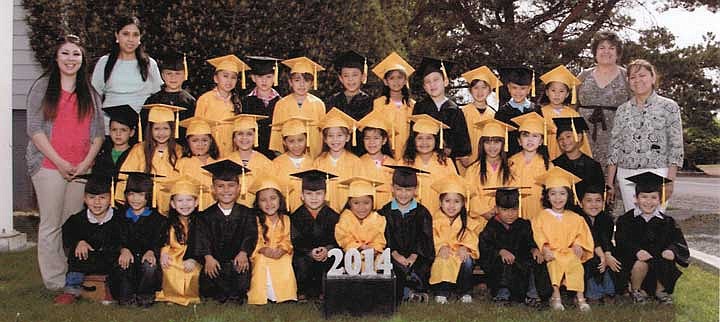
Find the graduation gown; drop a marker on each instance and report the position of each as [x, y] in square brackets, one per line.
[601, 228]
[473, 115]
[350, 232]
[633, 233]
[560, 234]
[373, 170]
[505, 113]
[161, 166]
[525, 173]
[192, 166]
[182, 99]
[104, 238]
[283, 165]
[258, 165]
[280, 271]
[428, 197]
[584, 167]
[399, 115]
[178, 286]
[484, 201]
[445, 234]
[456, 138]
[516, 238]
[308, 233]
[549, 113]
[212, 107]
[104, 161]
[312, 108]
[251, 104]
[359, 105]
[347, 166]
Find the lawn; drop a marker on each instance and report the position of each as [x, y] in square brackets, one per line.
[21, 291]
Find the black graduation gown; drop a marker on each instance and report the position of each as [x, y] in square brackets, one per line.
[254, 105]
[602, 231]
[457, 137]
[181, 99]
[584, 167]
[104, 239]
[633, 234]
[505, 114]
[358, 107]
[308, 233]
[518, 240]
[104, 162]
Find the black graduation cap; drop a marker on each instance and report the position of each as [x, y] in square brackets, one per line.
[649, 182]
[430, 65]
[350, 59]
[123, 114]
[520, 75]
[226, 170]
[314, 179]
[405, 176]
[507, 197]
[574, 124]
[262, 65]
[139, 181]
[172, 60]
[97, 182]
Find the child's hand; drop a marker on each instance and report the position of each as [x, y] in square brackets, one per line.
[463, 253]
[577, 250]
[668, 254]
[643, 255]
[612, 262]
[164, 260]
[507, 257]
[241, 262]
[364, 246]
[537, 256]
[444, 252]
[548, 255]
[399, 258]
[149, 257]
[212, 266]
[603, 264]
[82, 249]
[126, 258]
[411, 259]
[189, 265]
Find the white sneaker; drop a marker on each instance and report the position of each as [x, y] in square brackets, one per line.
[441, 300]
[556, 304]
[467, 298]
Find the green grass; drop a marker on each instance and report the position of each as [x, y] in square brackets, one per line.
[21, 291]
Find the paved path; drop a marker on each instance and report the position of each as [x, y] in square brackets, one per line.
[699, 196]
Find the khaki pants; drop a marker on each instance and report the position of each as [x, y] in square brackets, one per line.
[57, 201]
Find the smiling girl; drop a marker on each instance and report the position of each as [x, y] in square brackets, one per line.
[530, 162]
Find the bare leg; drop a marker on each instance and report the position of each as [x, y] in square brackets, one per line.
[637, 274]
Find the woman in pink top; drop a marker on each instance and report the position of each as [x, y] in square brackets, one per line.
[65, 127]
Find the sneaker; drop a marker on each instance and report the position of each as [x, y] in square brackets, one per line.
[664, 298]
[467, 298]
[441, 299]
[533, 302]
[65, 298]
[418, 297]
[583, 305]
[556, 304]
[301, 298]
[638, 296]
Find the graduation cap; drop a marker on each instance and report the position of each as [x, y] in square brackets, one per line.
[142, 182]
[593, 188]
[533, 123]
[430, 65]
[185, 185]
[558, 177]
[304, 65]
[359, 186]
[650, 182]
[162, 113]
[405, 176]
[377, 120]
[246, 122]
[574, 124]
[393, 62]
[425, 123]
[314, 179]
[494, 128]
[262, 65]
[520, 75]
[226, 170]
[270, 181]
[99, 183]
[455, 184]
[351, 59]
[197, 125]
[123, 114]
[337, 118]
[508, 197]
[174, 61]
[231, 63]
[563, 75]
[484, 73]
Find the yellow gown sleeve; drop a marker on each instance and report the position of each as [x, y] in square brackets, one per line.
[344, 232]
[378, 241]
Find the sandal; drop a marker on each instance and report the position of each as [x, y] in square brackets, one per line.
[664, 298]
[583, 305]
[556, 304]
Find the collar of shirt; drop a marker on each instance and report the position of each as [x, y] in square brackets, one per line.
[557, 215]
[130, 214]
[225, 212]
[647, 217]
[439, 104]
[395, 206]
[272, 96]
[520, 106]
[93, 220]
[649, 101]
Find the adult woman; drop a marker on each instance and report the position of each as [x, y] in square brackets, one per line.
[60, 102]
[604, 87]
[127, 75]
[647, 134]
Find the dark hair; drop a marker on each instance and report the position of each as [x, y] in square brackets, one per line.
[545, 99]
[542, 150]
[142, 58]
[411, 150]
[326, 148]
[306, 76]
[347, 203]
[568, 203]
[463, 215]
[149, 146]
[235, 148]
[235, 98]
[83, 89]
[482, 158]
[385, 149]
[282, 210]
[213, 151]
[647, 188]
[142, 185]
[405, 90]
[174, 222]
[610, 37]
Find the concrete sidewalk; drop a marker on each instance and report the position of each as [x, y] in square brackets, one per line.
[707, 259]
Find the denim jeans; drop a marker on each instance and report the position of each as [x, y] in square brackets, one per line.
[73, 282]
[596, 291]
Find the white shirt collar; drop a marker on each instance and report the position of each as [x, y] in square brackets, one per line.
[647, 217]
[93, 220]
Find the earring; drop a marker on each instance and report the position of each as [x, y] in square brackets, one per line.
[117, 41]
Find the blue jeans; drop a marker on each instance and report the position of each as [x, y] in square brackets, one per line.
[463, 284]
[596, 291]
[73, 282]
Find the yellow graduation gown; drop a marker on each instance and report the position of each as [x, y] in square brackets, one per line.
[178, 286]
[312, 108]
[280, 270]
[445, 234]
[472, 116]
[192, 166]
[525, 173]
[350, 232]
[550, 113]
[560, 233]
[212, 107]
[347, 166]
[428, 197]
[161, 166]
[285, 166]
[372, 170]
[400, 118]
[258, 164]
[484, 201]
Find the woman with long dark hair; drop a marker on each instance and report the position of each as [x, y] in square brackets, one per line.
[60, 102]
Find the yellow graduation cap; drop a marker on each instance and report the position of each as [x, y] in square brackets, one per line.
[270, 181]
[427, 124]
[185, 185]
[294, 125]
[376, 119]
[338, 118]
[563, 75]
[532, 122]
[231, 63]
[484, 73]
[559, 177]
[359, 186]
[304, 65]
[393, 62]
[197, 125]
[245, 122]
[455, 184]
[495, 128]
[161, 113]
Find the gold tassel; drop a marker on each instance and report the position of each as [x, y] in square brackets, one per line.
[469, 199]
[256, 143]
[577, 201]
[327, 188]
[243, 183]
[287, 196]
[374, 197]
[392, 140]
[200, 199]
[140, 136]
[315, 80]
[575, 135]
[177, 125]
[604, 197]
[573, 100]
[497, 91]
[185, 66]
[407, 84]
[112, 192]
[307, 134]
[662, 204]
[442, 138]
[532, 85]
[519, 204]
[154, 193]
[365, 71]
[419, 190]
[354, 136]
[276, 74]
[442, 68]
[545, 139]
[242, 81]
[507, 144]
